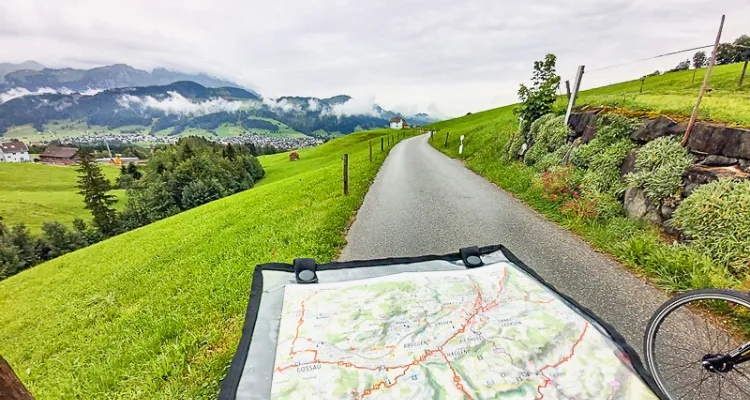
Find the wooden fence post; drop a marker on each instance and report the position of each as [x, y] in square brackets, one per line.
[389, 140]
[711, 63]
[432, 133]
[346, 173]
[11, 388]
[567, 88]
[643, 80]
[370, 150]
[446, 139]
[381, 144]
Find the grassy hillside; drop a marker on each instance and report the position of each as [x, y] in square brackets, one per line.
[61, 129]
[157, 312]
[36, 193]
[674, 93]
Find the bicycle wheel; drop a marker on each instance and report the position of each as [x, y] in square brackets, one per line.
[688, 334]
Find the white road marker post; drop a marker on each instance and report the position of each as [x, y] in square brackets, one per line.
[461, 146]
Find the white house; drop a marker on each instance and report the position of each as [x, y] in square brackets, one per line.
[398, 123]
[14, 152]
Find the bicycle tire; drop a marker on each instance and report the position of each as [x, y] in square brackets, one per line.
[654, 323]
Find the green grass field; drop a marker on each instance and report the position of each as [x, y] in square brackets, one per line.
[35, 193]
[674, 93]
[157, 312]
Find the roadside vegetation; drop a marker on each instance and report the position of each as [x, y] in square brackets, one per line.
[581, 186]
[157, 312]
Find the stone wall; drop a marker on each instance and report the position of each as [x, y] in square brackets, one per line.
[720, 151]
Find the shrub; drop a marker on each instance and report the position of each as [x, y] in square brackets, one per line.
[659, 166]
[715, 217]
[558, 183]
[601, 205]
[547, 135]
[603, 156]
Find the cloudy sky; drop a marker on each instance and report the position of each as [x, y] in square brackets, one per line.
[438, 56]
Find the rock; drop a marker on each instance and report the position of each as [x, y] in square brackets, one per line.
[637, 206]
[589, 133]
[666, 211]
[635, 203]
[744, 164]
[697, 175]
[656, 128]
[720, 161]
[628, 164]
[578, 122]
[720, 140]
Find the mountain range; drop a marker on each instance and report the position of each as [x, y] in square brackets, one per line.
[33, 76]
[171, 109]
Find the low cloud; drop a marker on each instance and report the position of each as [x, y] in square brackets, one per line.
[91, 92]
[21, 92]
[178, 104]
[363, 106]
[313, 105]
[282, 105]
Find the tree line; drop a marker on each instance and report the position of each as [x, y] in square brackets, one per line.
[177, 177]
[726, 53]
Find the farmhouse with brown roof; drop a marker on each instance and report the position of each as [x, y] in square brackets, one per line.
[59, 155]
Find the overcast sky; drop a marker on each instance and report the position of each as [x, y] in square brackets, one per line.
[438, 56]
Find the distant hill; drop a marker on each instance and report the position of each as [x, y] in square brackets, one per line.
[9, 67]
[175, 107]
[33, 77]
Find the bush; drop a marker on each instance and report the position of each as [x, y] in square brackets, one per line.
[603, 156]
[715, 217]
[558, 183]
[592, 204]
[659, 166]
[546, 135]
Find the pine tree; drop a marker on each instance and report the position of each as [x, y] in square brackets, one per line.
[94, 187]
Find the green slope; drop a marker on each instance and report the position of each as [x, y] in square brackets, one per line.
[157, 312]
[675, 93]
[37, 193]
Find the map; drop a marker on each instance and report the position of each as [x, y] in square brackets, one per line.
[484, 333]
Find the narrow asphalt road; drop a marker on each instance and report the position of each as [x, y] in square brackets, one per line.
[423, 202]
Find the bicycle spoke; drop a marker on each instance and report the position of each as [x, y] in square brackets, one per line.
[700, 385]
[673, 366]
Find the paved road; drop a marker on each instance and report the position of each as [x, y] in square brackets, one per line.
[423, 202]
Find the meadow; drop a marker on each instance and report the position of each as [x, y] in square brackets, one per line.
[157, 312]
[36, 193]
[675, 93]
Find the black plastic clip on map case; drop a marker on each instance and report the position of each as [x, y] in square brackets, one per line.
[304, 270]
[470, 257]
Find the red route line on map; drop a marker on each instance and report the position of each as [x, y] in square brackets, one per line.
[565, 359]
[456, 378]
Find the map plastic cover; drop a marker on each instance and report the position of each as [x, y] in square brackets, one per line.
[426, 328]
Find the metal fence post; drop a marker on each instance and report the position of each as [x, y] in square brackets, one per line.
[381, 144]
[346, 173]
[576, 88]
